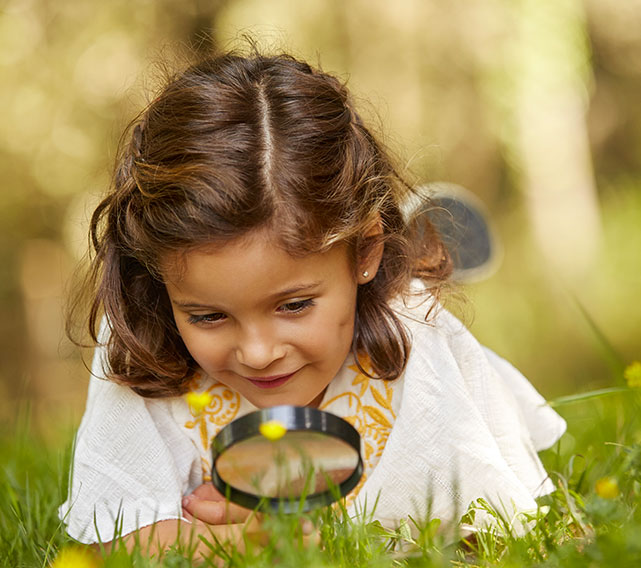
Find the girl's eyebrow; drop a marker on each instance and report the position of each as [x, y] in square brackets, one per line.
[186, 305]
[297, 289]
[192, 305]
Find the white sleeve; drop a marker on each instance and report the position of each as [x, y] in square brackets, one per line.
[132, 463]
[468, 427]
[543, 424]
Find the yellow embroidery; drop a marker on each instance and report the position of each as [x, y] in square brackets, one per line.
[384, 402]
[221, 410]
[377, 415]
[360, 379]
[373, 423]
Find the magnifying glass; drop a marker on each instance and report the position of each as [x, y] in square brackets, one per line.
[286, 458]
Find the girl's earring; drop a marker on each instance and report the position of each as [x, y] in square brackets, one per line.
[366, 274]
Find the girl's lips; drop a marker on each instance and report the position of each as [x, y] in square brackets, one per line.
[270, 382]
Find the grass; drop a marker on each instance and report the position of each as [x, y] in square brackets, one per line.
[594, 516]
[32, 483]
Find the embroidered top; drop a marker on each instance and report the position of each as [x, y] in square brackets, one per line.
[460, 424]
[370, 405]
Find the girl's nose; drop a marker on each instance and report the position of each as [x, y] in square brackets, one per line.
[259, 348]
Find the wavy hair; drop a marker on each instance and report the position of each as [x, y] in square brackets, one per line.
[231, 145]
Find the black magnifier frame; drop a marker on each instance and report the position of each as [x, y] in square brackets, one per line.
[293, 418]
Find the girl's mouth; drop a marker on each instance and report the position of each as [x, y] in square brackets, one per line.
[270, 382]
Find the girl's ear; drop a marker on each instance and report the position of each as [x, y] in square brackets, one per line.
[370, 260]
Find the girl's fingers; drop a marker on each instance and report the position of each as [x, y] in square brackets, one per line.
[208, 505]
[208, 492]
[214, 512]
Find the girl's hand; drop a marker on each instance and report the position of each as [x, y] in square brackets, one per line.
[207, 505]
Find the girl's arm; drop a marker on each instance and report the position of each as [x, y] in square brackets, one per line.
[156, 538]
[210, 516]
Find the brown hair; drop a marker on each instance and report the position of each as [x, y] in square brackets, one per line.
[233, 144]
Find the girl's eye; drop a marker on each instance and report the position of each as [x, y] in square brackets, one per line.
[296, 307]
[206, 318]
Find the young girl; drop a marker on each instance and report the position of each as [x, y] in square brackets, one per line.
[253, 251]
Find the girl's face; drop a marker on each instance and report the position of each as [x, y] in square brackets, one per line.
[274, 328]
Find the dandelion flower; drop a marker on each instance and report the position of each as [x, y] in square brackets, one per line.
[632, 374]
[198, 401]
[607, 488]
[75, 557]
[272, 430]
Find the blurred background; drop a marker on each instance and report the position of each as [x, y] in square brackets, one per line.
[534, 106]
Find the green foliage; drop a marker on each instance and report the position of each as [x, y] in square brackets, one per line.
[32, 484]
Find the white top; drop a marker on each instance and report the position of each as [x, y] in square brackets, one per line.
[460, 424]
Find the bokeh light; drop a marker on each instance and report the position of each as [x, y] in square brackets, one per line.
[531, 106]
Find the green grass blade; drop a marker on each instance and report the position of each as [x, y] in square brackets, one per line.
[614, 359]
[581, 397]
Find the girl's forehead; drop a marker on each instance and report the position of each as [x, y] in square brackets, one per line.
[246, 275]
[261, 249]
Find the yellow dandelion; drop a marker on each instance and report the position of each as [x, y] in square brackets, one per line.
[75, 557]
[272, 430]
[198, 401]
[607, 488]
[632, 374]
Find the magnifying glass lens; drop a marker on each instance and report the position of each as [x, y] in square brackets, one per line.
[297, 464]
[311, 459]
